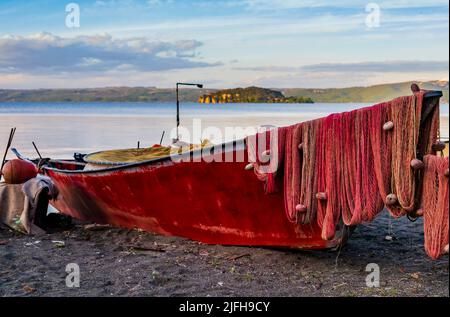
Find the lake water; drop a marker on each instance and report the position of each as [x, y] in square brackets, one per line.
[60, 129]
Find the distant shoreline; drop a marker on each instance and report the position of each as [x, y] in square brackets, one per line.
[371, 94]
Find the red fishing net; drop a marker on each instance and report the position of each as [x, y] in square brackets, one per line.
[349, 166]
[435, 205]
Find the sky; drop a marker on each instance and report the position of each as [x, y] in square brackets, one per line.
[222, 43]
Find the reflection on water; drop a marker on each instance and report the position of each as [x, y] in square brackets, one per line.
[60, 129]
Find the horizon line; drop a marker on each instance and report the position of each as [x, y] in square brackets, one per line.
[215, 88]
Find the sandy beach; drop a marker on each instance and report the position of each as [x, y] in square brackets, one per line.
[121, 262]
[267, 125]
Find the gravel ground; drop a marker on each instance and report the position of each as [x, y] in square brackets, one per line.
[120, 262]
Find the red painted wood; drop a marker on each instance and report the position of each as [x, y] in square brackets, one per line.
[215, 203]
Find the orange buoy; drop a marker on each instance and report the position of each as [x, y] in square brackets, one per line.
[18, 171]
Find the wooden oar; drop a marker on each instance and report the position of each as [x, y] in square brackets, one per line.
[37, 151]
[162, 137]
[8, 145]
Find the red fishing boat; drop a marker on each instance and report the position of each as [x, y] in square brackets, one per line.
[215, 203]
[211, 202]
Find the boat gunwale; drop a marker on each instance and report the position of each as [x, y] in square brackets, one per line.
[178, 157]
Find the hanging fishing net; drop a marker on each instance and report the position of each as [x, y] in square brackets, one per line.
[350, 166]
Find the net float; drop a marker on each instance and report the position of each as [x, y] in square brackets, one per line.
[300, 146]
[446, 249]
[438, 146]
[419, 212]
[265, 155]
[18, 171]
[446, 173]
[417, 164]
[391, 199]
[322, 196]
[388, 126]
[249, 167]
[301, 208]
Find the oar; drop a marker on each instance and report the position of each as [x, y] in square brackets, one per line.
[162, 137]
[42, 161]
[37, 151]
[8, 145]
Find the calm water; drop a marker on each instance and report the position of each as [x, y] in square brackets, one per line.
[59, 129]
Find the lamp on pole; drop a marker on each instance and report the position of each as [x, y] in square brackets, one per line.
[178, 101]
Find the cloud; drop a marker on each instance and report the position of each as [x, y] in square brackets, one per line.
[336, 80]
[380, 67]
[45, 53]
[276, 69]
[368, 67]
[299, 4]
[338, 75]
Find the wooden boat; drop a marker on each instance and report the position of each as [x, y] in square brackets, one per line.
[214, 203]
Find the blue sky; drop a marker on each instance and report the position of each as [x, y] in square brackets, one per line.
[223, 43]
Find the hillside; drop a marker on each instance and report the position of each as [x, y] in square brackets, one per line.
[112, 94]
[370, 94]
[250, 95]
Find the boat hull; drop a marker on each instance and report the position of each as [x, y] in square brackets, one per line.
[214, 203]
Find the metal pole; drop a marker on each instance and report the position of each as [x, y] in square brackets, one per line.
[178, 103]
[178, 113]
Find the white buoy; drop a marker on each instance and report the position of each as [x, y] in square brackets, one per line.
[322, 196]
[301, 208]
[417, 164]
[388, 126]
[266, 155]
[391, 199]
[249, 167]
